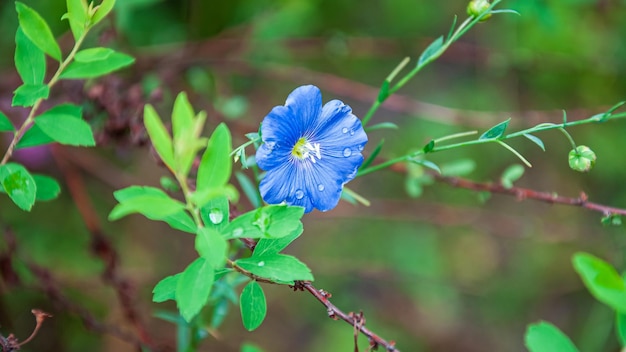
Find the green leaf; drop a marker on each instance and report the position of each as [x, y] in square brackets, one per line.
[30, 61]
[166, 289]
[252, 305]
[181, 221]
[148, 201]
[78, 17]
[182, 117]
[33, 137]
[103, 10]
[27, 94]
[460, 167]
[511, 174]
[215, 166]
[249, 189]
[212, 246]
[194, 287]
[427, 163]
[272, 221]
[18, 183]
[248, 347]
[5, 123]
[429, 147]
[97, 66]
[383, 94]
[382, 126]
[430, 51]
[602, 280]
[159, 136]
[215, 213]
[373, 156]
[47, 187]
[66, 129]
[93, 54]
[267, 246]
[186, 129]
[545, 337]
[37, 30]
[620, 328]
[496, 131]
[280, 268]
[536, 140]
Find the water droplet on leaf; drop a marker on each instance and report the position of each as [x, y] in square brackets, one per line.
[261, 263]
[238, 232]
[347, 152]
[216, 216]
[299, 194]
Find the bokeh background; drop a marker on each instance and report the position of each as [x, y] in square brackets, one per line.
[450, 270]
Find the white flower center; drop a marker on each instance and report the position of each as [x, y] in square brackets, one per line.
[307, 150]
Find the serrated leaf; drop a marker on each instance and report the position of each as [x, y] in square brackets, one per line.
[103, 10]
[97, 68]
[602, 280]
[165, 289]
[30, 61]
[511, 174]
[47, 187]
[19, 184]
[215, 167]
[66, 129]
[535, 140]
[252, 305]
[27, 94]
[5, 124]
[37, 30]
[545, 337]
[431, 50]
[194, 287]
[159, 136]
[77, 16]
[267, 246]
[279, 268]
[212, 246]
[148, 201]
[496, 131]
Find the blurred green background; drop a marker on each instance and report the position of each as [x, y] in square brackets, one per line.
[446, 271]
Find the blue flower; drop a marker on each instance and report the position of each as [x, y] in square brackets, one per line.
[309, 151]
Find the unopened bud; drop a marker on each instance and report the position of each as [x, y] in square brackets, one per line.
[582, 158]
[477, 7]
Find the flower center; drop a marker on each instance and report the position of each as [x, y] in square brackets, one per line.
[306, 150]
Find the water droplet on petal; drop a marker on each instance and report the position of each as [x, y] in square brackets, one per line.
[352, 132]
[261, 263]
[347, 152]
[320, 187]
[344, 130]
[238, 232]
[216, 216]
[360, 147]
[299, 194]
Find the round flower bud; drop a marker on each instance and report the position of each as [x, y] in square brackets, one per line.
[477, 7]
[582, 158]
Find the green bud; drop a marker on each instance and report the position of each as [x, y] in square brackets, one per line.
[477, 7]
[582, 158]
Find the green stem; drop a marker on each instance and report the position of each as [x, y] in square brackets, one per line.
[517, 154]
[33, 110]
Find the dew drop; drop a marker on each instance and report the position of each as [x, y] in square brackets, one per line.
[238, 232]
[216, 216]
[352, 132]
[299, 194]
[347, 152]
[320, 187]
[344, 130]
[261, 263]
[360, 147]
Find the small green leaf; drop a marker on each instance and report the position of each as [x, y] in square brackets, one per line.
[460, 167]
[373, 156]
[37, 30]
[602, 280]
[215, 214]
[33, 137]
[430, 51]
[212, 246]
[427, 163]
[148, 201]
[66, 129]
[267, 246]
[382, 126]
[96, 68]
[451, 31]
[5, 124]
[620, 328]
[248, 347]
[545, 337]
[47, 187]
[215, 166]
[93, 54]
[249, 189]
[535, 140]
[159, 136]
[103, 10]
[280, 268]
[77, 16]
[194, 287]
[496, 131]
[182, 118]
[18, 183]
[252, 305]
[429, 147]
[27, 94]
[383, 94]
[272, 221]
[511, 174]
[30, 61]
[166, 289]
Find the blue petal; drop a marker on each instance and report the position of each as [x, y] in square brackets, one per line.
[305, 104]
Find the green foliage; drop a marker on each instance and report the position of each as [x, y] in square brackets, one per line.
[193, 288]
[19, 184]
[281, 268]
[37, 30]
[545, 337]
[96, 62]
[511, 174]
[272, 221]
[252, 305]
[602, 280]
[496, 131]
